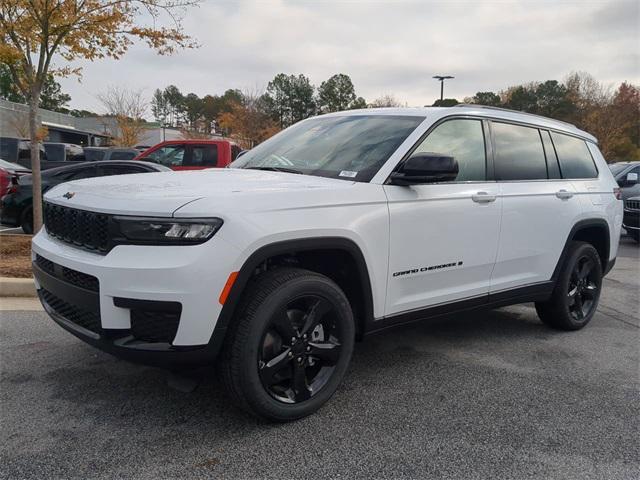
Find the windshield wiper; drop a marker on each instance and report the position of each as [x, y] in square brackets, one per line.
[277, 169]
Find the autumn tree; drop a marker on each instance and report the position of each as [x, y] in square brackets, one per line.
[34, 33]
[127, 109]
[247, 121]
[386, 100]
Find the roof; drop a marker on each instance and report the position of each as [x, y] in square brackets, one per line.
[435, 113]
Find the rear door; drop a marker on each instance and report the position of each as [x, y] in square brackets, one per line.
[201, 156]
[443, 236]
[539, 207]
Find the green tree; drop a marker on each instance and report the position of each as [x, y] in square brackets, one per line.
[489, 99]
[552, 100]
[51, 97]
[289, 99]
[193, 108]
[445, 102]
[336, 94]
[522, 98]
[160, 106]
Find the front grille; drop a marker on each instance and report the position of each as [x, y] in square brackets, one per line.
[150, 326]
[79, 279]
[632, 204]
[77, 315]
[88, 230]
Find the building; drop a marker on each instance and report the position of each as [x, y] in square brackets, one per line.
[61, 127]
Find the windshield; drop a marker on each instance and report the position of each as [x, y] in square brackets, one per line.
[348, 147]
[616, 168]
[10, 165]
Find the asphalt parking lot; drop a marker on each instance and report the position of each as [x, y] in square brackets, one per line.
[482, 395]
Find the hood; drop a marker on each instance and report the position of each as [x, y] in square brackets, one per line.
[161, 194]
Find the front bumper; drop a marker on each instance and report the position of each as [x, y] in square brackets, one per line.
[156, 305]
[631, 220]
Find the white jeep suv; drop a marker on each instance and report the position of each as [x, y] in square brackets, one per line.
[340, 226]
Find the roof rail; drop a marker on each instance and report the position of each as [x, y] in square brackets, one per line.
[488, 107]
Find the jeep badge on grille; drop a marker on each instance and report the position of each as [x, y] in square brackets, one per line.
[69, 195]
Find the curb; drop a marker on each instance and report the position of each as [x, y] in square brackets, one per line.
[17, 287]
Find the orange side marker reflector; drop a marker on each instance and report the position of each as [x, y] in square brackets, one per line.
[227, 287]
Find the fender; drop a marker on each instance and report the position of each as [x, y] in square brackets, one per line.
[287, 247]
[591, 222]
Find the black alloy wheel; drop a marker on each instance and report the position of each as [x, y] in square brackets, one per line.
[584, 288]
[300, 349]
[289, 346]
[575, 296]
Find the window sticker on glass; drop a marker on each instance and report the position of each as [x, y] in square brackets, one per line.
[347, 173]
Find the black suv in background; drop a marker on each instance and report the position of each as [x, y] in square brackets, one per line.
[627, 174]
[18, 150]
[16, 208]
[631, 219]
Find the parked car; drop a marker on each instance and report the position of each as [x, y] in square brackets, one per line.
[192, 154]
[337, 227]
[631, 219]
[60, 154]
[9, 173]
[626, 174]
[109, 153]
[18, 150]
[16, 208]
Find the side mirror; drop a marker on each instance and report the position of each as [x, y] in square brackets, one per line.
[426, 167]
[632, 179]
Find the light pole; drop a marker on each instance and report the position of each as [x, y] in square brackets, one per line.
[441, 79]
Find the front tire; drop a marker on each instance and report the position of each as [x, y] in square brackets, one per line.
[575, 297]
[289, 347]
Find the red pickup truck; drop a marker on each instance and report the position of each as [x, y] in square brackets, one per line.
[192, 154]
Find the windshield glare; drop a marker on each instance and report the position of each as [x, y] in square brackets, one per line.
[348, 147]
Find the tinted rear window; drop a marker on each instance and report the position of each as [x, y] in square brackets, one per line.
[94, 155]
[123, 155]
[519, 154]
[574, 157]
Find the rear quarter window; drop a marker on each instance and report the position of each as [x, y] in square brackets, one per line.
[574, 157]
[519, 154]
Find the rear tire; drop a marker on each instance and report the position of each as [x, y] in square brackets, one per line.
[290, 345]
[575, 297]
[635, 234]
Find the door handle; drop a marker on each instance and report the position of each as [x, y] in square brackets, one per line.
[563, 194]
[483, 197]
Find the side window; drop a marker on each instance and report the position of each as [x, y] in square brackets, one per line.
[552, 159]
[462, 139]
[122, 155]
[82, 173]
[575, 159]
[204, 156]
[170, 156]
[235, 150]
[117, 170]
[518, 152]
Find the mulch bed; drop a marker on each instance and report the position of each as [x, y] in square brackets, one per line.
[15, 256]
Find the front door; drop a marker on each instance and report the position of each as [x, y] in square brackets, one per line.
[444, 236]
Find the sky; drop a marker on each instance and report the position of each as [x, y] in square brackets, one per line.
[386, 47]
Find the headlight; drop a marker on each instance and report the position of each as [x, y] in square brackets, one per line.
[172, 231]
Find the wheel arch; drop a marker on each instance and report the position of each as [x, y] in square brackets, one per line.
[306, 248]
[594, 231]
